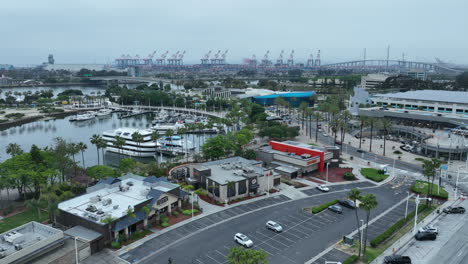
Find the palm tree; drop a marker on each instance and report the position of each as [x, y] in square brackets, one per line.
[73, 149]
[146, 209]
[372, 123]
[363, 121]
[35, 204]
[429, 170]
[102, 145]
[82, 147]
[355, 195]
[138, 138]
[13, 149]
[368, 202]
[95, 139]
[119, 143]
[108, 221]
[317, 116]
[386, 127]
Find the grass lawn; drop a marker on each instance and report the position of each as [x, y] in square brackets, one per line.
[21, 219]
[373, 174]
[422, 187]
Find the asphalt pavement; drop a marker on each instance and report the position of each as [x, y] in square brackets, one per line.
[305, 235]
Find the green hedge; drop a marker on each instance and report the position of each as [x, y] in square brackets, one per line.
[422, 187]
[320, 208]
[189, 212]
[349, 176]
[351, 259]
[165, 224]
[373, 174]
[115, 245]
[395, 227]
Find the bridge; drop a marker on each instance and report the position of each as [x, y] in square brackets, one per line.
[390, 65]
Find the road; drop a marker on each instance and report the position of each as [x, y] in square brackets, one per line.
[304, 237]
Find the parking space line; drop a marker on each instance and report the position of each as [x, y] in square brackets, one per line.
[199, 261]
[208, 256]
[263, 248]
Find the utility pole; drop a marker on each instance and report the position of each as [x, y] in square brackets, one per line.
[364, 62]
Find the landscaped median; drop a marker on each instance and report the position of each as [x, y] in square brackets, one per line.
[422, 187]
[320, 208]
[374, 174]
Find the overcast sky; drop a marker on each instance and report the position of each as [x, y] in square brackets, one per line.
[88, 31]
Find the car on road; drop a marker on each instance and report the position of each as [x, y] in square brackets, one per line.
[323, 188]
[337, 142]
[425, 236]
[335, 208]
[360, 151]
[243, 240]
[397, 259]
[274, 226]
[454, 210]
[347, 203]
[429, 229]
[325, 134]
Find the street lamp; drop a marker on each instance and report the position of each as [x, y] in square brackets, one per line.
[76, 251]
[192, 203]
[407, 200]
[416, 214]
[328, 163]
[362, 233]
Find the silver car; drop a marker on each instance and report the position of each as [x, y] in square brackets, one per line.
[274, 226]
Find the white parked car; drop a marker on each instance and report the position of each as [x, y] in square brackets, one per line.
[274, 226]
[429, 229]
[323, 188]
[325, 134]
[243, 240]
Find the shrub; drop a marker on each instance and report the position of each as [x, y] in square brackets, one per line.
[349, 176]
[163, 219]
[320, 208]
[14, 115]
[175, 213]
[189, 212]
[115, 245]
[351, 259]
[397, 152]
[394, 228]
[165, 224]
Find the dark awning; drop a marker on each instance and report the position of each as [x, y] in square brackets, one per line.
[254, 186]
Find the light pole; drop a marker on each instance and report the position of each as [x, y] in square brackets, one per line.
[192, 203]
[76, 251]
[416, 214]
[407, 200]
[393, 171]
[362, 233]
[328, 163]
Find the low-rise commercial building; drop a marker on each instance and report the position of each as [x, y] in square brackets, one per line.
[28, 242]
[114, 206]
[232, 178]
[293, 159]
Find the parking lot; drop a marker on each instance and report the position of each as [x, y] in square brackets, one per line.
[298, 228]
[340, 187]
[189, 228]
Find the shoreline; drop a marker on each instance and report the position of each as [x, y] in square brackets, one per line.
[39, 116]
[51, 84]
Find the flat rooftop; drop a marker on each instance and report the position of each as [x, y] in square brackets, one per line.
[268, 149]
[105, 199]
[30, 235]
[430, 95]
[303, 145]
[233, 169]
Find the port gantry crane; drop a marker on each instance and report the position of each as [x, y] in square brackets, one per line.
[206, 59]
[291, 59]
[149, 60]
[279, 61]
[266, 61]
[162, 60]
[317, 59]
[215, 59]
[310, 61]
[223, 57]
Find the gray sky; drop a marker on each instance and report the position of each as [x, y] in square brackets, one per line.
[87, 31]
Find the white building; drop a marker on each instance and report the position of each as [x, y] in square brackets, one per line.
[372, 80]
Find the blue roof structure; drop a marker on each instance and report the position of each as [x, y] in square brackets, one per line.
[294, 98]
[109, 180]
[128, 221]
[154, 179]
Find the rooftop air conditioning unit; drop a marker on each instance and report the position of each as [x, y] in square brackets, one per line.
[107, 202]
[116, 206]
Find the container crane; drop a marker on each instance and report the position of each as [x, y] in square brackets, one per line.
[310, 61]
[215, 60]
[173, 59]
[223, 57]
[291, 59]
[317, 59]
[279, 61]
[180, 58]
[266, 61]
[162, 60]
[149, 60]
[206, 59]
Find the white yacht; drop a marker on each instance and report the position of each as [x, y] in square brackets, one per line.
[83, 117]
[105, 112]
[162, 128]
[146, 148]
[172, 141]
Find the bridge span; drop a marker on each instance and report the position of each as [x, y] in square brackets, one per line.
[175, 109]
